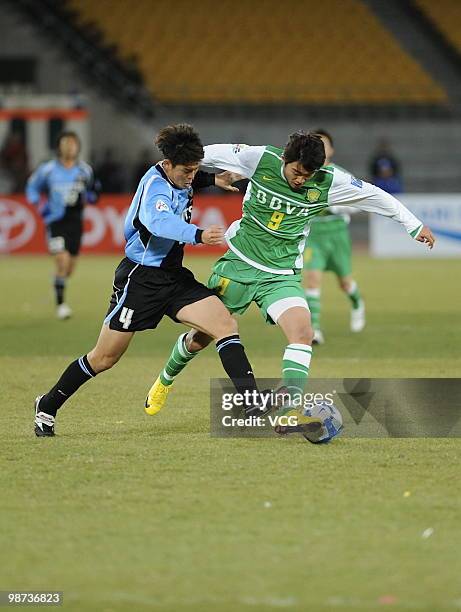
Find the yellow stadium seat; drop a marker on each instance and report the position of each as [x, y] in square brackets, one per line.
[446, 16]
[262, 51]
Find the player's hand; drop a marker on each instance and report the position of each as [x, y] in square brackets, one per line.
[426, 236]
[213, 235]
[225, 180]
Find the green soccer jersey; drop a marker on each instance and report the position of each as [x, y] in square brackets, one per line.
[275, 220]
[272, 233]
[330, 220]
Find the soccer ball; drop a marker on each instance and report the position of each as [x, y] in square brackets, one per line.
[331, 423]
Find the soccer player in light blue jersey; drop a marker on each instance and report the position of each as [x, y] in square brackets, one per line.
[60, 188]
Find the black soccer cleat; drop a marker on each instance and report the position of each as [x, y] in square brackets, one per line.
[310, 431]
[44, 423]
[256, 411]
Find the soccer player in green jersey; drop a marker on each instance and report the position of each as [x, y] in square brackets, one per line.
[264, 262]
[329, 249]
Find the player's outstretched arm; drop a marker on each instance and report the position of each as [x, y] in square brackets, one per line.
[35, 185]
[213, 235]
[93, 186]
[226, 180]
[348, 190]
[241, 159]
[202, 180]
[426, 236]
[156, 214]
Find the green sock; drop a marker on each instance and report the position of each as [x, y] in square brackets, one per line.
[295, 366]
[313, 301]
[177, 361]
[354, 295]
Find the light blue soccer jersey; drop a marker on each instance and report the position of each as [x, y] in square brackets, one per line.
[158, 222]
[62, 188]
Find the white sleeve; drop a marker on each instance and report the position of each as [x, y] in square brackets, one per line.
[343, 210]
[240, 158]
[346, 189]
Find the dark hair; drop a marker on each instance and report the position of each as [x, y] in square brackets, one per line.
[322, 132]
[180, 144]
[307, 149]
[67, 134]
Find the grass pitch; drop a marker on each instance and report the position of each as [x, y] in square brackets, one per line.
[127, 512]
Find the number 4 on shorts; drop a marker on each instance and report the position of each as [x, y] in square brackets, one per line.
[125, 317]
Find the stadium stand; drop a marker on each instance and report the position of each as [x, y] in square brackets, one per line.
[99, 65]
[445, 15]
[298, 53]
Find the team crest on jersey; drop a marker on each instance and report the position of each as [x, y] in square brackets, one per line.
[313, 195]
[161, 205]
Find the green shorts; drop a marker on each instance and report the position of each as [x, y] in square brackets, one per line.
[238, 285]
[329, 248]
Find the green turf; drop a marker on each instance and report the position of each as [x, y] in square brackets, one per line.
[126, 512]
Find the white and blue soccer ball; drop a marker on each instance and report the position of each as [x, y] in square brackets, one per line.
[331, 423]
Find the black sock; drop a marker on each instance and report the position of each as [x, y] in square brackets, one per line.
[59, 288]
[236, 364]
[77, 373]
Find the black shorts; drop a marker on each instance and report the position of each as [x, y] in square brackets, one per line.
[143, 294]
[65, 234]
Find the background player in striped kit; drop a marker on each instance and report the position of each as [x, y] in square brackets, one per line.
[62, 187]
[329, 248]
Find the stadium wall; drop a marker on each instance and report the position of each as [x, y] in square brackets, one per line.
[440, 211]
[109, 127]
[22, 230]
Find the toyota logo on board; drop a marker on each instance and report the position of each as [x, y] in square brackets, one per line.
[17, 225]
